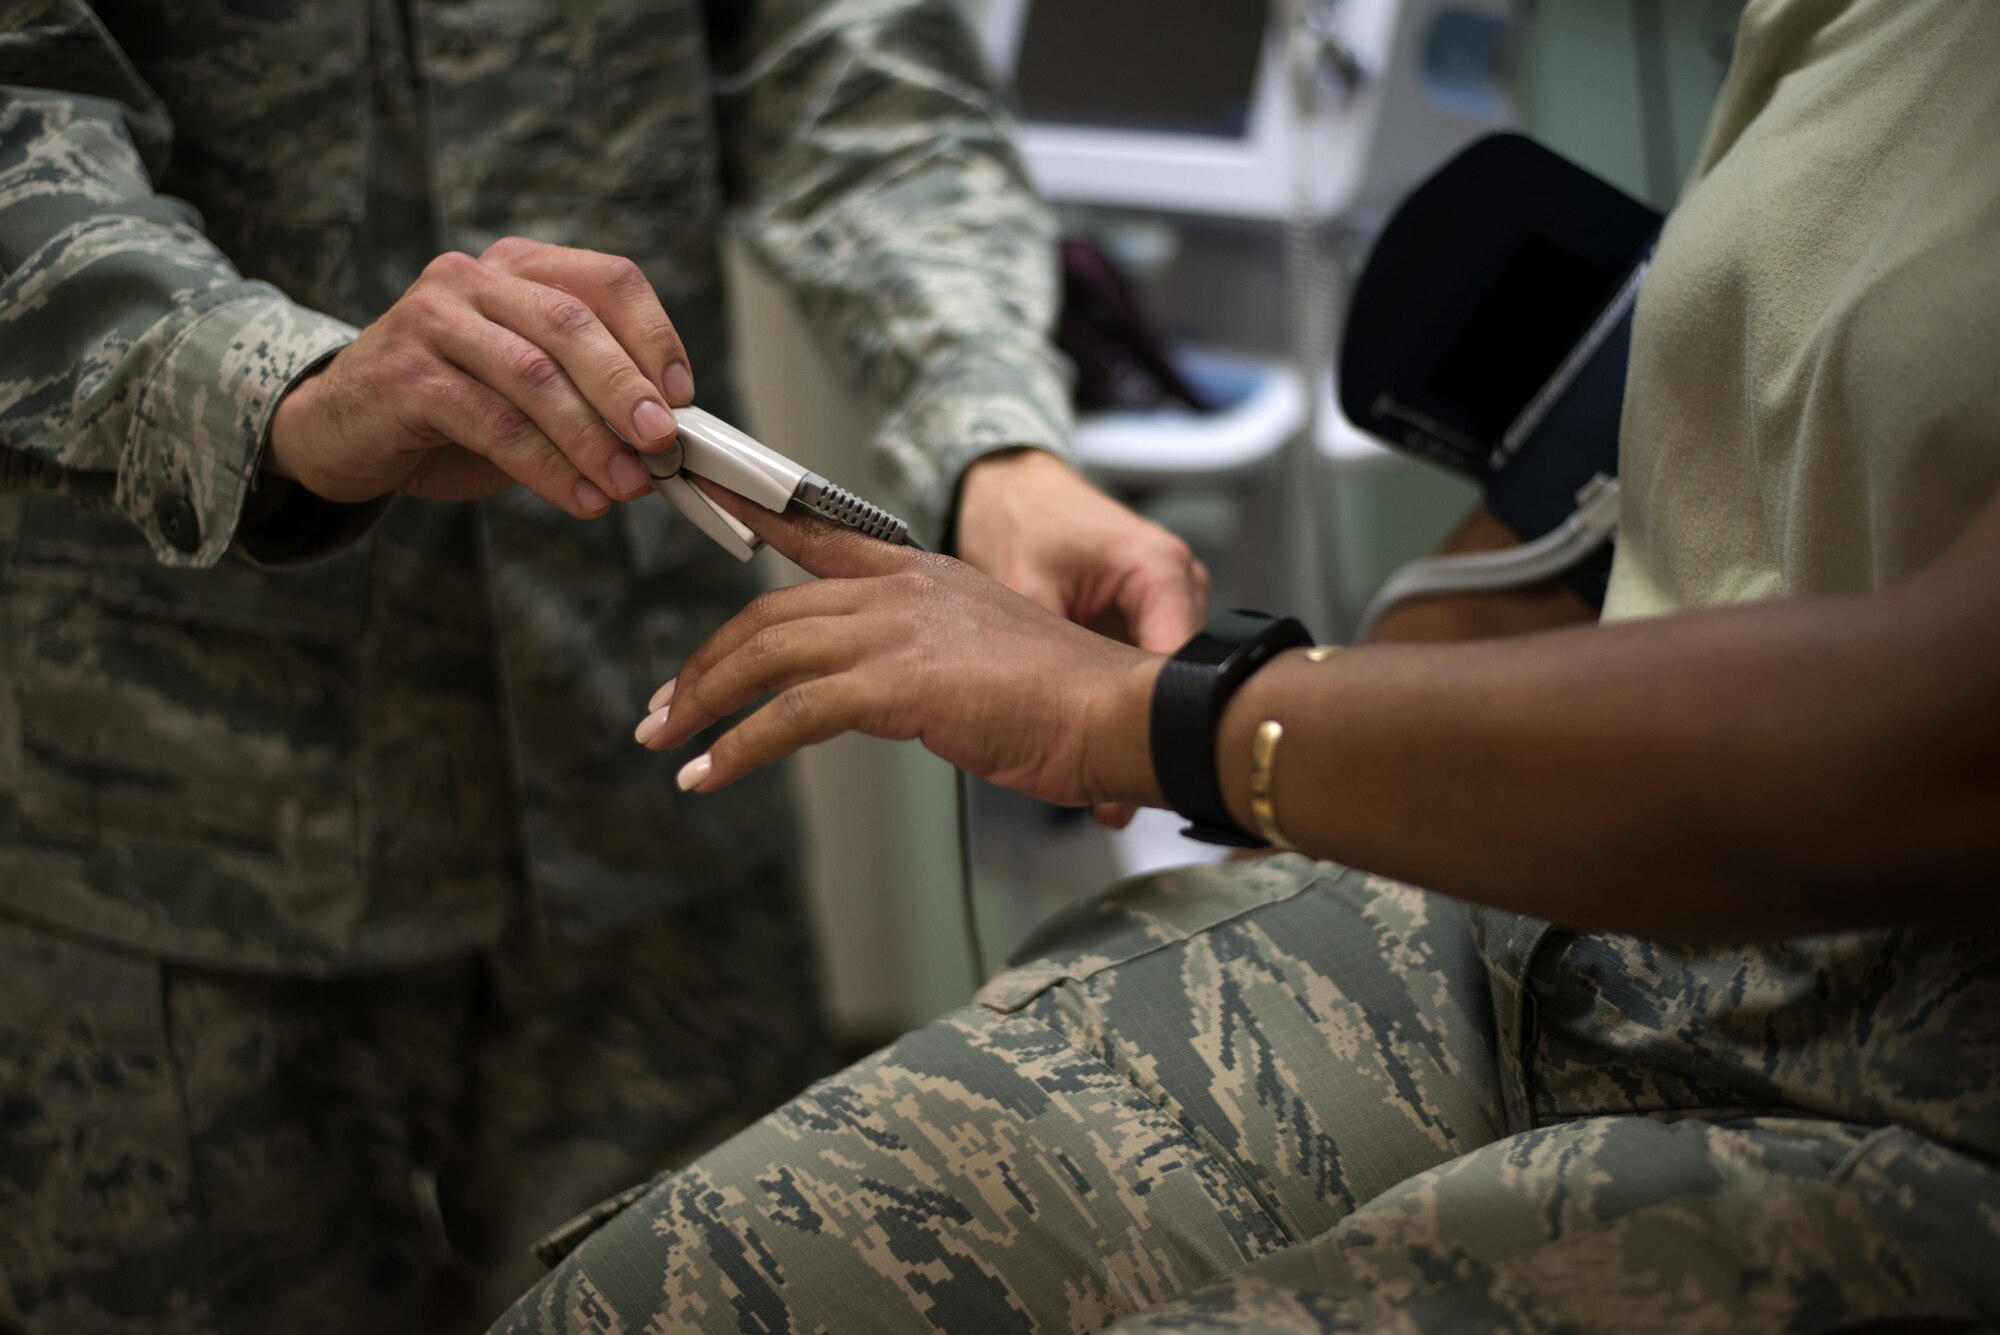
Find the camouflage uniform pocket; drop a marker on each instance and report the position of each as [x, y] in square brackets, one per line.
[221, 762]
[100, 556]
[1140, 916]
[566, 1237]
[207, 710]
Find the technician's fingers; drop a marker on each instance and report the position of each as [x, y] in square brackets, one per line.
[618, 292]
[530, 378]
[1113, 815]
[775, 658]
[472, 415]
[565, 326]
[1165, 602]
[817, 546]
[807, 714]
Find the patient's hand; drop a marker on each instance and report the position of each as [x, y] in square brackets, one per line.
[899, 644]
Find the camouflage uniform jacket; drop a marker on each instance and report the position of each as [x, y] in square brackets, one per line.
[213, 749]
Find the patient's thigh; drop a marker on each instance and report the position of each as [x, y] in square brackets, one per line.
[1191, 1071]
[1762, 1226]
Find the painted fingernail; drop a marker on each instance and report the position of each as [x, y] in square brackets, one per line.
[589, 498]
[627, 475]
[652, 421]
[665, 695]
[649, 726]
[694, 773]
[679, 383]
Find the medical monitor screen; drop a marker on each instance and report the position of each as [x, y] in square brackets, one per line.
[1159, 66]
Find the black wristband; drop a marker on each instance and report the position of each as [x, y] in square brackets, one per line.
[1194, 687]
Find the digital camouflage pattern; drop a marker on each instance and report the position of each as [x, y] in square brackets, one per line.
[1272, 1097]
[1635, 1225]
[1194, 1071]
[183, 1149]
[398, 753]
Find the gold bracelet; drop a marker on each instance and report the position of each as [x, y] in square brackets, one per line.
[1263, 760]
[1264, 765]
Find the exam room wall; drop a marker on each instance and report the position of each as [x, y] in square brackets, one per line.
[882, 864]
[882, 871]
[1577, 84]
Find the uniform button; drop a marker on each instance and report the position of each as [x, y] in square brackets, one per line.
[177, 522]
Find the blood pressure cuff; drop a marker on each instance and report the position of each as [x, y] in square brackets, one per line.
[1489, 331]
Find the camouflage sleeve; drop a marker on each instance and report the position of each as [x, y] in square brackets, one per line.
[137, 367]
[873, 172]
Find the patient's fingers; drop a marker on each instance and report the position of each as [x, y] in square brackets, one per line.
[817, 546]
[775, 657]
[813, 711]
[794, 602]
[791, 603]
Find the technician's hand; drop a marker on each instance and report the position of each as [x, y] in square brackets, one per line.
[898, 643]
[492, 371]
[1032, 522]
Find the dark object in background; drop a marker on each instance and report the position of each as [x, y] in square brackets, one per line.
[1184, 67]
[1490, 329]
[1121, 360]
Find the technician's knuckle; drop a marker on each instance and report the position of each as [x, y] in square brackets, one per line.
[450, 267]
[504, 423]
[1171, 548]
[626, 384]
[507, 248]
[426, 307]
[533, 368]
[621, 277]
[565, 313]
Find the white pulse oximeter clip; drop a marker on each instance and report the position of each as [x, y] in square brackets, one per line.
[709, 447]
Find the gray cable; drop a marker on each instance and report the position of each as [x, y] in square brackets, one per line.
[967, 904]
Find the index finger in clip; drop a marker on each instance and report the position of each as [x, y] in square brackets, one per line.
[816, 545]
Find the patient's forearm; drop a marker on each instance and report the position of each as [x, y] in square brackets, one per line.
[1764, 770]
[1758, 771]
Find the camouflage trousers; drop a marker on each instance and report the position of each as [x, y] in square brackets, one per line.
[187, 1150]
[1267, 1097]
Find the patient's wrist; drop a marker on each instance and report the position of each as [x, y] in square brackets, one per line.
[1281, 692]
[1118, 744]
